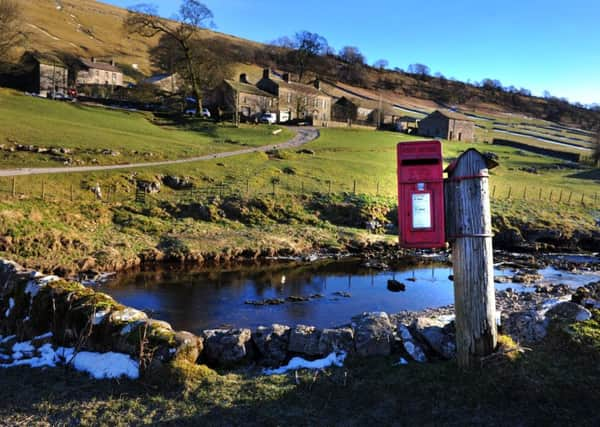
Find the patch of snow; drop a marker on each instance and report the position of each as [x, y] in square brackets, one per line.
[6, 339]
[98, 365]
[44, 336]
[106, 365]
[11, 305]
[37, 283]
[23, 347]
[99, 317]
[402, 361]
[446, 318]
[334, 359]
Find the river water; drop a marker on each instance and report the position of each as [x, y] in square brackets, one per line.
[202, 299]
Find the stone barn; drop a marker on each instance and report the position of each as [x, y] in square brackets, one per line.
[45, 73]
[447, 125]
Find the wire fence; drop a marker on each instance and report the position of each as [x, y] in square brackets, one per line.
[54, 189]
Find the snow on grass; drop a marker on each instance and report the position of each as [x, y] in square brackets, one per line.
[38, 282]
[106, 365]
[334, 359]
[7, 339]
[99, 317]
[98, 365]
[43, 336]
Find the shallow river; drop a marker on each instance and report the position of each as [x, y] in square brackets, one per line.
[196, 300]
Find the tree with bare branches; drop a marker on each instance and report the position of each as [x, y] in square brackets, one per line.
[10, 32]
[193, 15]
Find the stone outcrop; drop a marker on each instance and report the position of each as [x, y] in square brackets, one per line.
[272, 343]
[227, 346]
[305, 340]
[373, 334]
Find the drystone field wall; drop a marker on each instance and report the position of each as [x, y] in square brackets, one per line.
[34, 305]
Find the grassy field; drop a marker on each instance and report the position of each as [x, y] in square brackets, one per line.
[555, 383]
[88, 131]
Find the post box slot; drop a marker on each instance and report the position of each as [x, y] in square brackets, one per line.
[414, 162]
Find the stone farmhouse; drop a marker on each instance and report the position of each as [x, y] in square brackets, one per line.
[168, 83]
[250, 101]
[296, 100]
[45, 73]
[93, 72]
[447, 125]
[363, 111]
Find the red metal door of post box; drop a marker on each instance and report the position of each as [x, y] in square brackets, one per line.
[421, 195]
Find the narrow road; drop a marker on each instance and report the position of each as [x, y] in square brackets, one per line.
[303, 135]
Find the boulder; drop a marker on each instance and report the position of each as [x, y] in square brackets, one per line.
[226, 346]
[373, 334]
[527, 276]
[334, 340]
[525, 326]
[413, 349]
[189, 346]
[437, 337]
[569, 311]
[272, 343]
[305, 340]
[177, 182]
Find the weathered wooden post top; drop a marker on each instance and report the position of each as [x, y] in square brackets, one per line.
[432, 211]
[469, 230]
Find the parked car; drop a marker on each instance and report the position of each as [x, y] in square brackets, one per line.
[192, 112]
[269, 118]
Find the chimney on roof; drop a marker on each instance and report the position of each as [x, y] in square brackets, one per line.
[243, 78]
[266, 73]
[286, 77]
[94, 59]
[317, 84]
[112, 62]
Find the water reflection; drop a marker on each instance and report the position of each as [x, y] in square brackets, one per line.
[195, 300]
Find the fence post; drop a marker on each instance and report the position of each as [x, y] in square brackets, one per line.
[540, 195]
[560, 197]
[354, 187]
[14, 186]
[43, 191]
[71, 191]
[509, 192]
[550, 198]
[469, 227]
[377, 192]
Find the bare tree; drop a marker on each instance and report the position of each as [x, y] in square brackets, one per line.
[305, 47]
[193, 15]
[420, 69]
[10, 22]
[382, 64]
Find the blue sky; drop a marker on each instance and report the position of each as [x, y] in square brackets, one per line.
[539, 45]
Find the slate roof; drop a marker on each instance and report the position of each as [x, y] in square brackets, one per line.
[99, 65]
[248, 88]
[46, 58]
[452, 115]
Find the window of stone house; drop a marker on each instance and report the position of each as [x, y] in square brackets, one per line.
[114, 77]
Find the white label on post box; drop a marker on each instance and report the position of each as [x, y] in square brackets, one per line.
[421, 210]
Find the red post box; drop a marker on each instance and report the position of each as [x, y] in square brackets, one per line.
[421, 195]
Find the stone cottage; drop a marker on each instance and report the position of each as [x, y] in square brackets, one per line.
[45, 73]
[251, 101]
[296, 100]
[93, 72]
[168, 83]
[447, 125]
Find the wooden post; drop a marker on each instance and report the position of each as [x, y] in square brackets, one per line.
[354, 187]
[71, 192]
[469, 229]
[14, 186]
[43, 190]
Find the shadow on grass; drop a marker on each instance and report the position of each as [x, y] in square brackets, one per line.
[593, 174]
[547, 386]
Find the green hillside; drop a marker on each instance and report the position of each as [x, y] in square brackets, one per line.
[94, 135]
